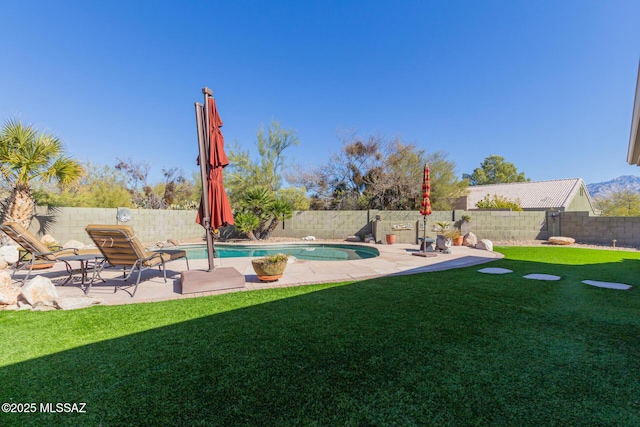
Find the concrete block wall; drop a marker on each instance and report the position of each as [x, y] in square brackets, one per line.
[325, 224]
[600, 229]
[507, 225]
[150, 225]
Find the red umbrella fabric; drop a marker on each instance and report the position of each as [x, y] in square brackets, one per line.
[425, 206]
[219, 206]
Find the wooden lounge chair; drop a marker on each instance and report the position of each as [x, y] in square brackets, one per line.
[121, 248]
[38, 251]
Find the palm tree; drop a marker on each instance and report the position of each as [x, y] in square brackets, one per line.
[27, 155]
[280, 209]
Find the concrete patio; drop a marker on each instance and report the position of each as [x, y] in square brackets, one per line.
[393, 260]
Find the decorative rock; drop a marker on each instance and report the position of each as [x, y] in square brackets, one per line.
[48, 240]
[309, 238]
[9, 253]
[5, 278]
[39, 289]
[369, 238]
[559, 240]
[485, 244]
[73, 303]
[8, 293]
[43, 308]
[174, 242]
[470, 240]
[353, 239]
[74, 244]
[442, 243]
[3, 264]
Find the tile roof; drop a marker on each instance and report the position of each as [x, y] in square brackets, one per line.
[533, 195]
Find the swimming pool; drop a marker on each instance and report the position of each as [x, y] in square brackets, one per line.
[309, 252]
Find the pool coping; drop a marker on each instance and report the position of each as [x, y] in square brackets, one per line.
[393, 260]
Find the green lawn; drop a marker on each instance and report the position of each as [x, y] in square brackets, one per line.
[446, 348]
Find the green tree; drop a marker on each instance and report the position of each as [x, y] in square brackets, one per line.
[244, 173]
[377, 173]
[99, 187]
[27, 156]
[620, 203]
[261, 212]
[494, 170]
[296, 196]
[499, 202]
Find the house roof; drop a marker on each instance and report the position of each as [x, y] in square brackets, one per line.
[533, 195]
[633, 154]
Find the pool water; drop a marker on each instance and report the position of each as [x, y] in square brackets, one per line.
[309, 252]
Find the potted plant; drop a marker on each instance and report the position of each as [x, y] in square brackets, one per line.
[391, 239]
[271, 267]
[455, 236]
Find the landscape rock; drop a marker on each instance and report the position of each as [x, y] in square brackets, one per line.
[3, 264]
[22, 305]
[309, 238]
[74, 303]
[470, 240]
[353, 239]
[74, 244]
[8, 292]
[369, 238]
[559, 240]
[174, 242]
[485, 244]
[9, 253]
[49, 240]
[43, 307]
[39, 289]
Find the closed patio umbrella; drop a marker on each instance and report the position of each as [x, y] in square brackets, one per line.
[215, 210]
[425, 206]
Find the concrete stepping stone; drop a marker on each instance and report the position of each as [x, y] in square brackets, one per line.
[609, 285]
[536, 276]
[495, 270]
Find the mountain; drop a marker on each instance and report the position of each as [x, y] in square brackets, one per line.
[605, 189]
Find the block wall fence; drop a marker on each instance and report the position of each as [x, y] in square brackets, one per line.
[153, 225]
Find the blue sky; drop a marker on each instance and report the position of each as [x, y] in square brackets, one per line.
[548, 85]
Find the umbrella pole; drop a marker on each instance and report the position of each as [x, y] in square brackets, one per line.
[424, 234]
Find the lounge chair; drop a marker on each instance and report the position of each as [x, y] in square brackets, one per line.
[121, 248]
[38, 251]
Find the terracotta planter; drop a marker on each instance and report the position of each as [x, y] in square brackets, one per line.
[391, 239]
[268, 272]
[458, 241]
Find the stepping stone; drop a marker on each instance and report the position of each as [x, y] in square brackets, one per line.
[609, 285]
[542, 277]
[494, 270]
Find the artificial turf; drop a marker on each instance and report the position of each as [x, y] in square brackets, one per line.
[452, 348]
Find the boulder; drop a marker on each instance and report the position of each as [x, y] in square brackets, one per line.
[9, 253]
[74, 244]
[39, 289]
[369, 238]
[3, 264]
[174, 242]
[8, 292]
[309, 238]
[49, 240]
[559, 240]
[353, 239]
[485, 244]
[470, 240]
[74, 303]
